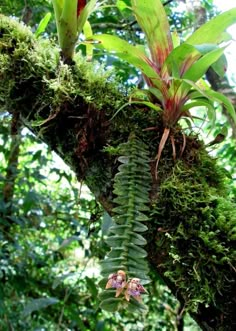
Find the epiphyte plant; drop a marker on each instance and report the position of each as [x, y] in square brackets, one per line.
[71, 18]
[172, 70]
[125, 269]
[133, 287]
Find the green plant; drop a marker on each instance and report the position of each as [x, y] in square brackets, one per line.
[172, 72]
[71, 16]
[126, 257]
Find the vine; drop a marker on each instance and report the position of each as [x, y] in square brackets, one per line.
[125, 269]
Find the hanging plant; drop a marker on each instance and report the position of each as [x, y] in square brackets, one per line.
[125, 270]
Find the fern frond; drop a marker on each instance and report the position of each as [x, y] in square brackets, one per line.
[131, 187]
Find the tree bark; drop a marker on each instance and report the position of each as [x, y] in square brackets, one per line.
[77, 113]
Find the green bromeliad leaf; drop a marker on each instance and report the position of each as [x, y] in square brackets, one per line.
[200, 67]
[180, 60]
[132, 54]
[213, 32]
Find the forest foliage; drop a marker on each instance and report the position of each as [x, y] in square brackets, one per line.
[54, 234]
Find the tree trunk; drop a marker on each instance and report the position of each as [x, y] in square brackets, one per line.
[76, 111]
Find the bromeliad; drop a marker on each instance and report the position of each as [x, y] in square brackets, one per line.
[172, 72]
[71, 16]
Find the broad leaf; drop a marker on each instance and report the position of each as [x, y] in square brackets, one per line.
[213, 31]
[220, 98]
[199, 68]
[129, 53]
[111, 304]
[181, 59]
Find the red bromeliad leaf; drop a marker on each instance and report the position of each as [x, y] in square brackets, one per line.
[80, 5]
[152, 19]
[164, 138]
[84, 12]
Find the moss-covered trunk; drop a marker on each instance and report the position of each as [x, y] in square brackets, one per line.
[192, 235]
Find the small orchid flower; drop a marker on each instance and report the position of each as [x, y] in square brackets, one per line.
[117, 281]
[134, 289]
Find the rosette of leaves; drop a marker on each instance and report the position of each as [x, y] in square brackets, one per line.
[174, 71]
[131, 187]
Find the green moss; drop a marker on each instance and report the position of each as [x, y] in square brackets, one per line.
[35, 64]
[197, 226]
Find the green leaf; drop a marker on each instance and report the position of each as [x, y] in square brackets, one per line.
[37, 304]
[107, 294]
[181, 59]
[115, 241]
[222, 100]
[136, 251]
[87, 29]
[131, 54]
[114, 262]
[139, 227]
[152, 18]
[119, 229]
[137, 239]
[132, 265]
[43, 25]
[85, 13]
[111, 304]
[136, 306]
[115, 252]
[199, 68]
[92, 287]
[213, 31]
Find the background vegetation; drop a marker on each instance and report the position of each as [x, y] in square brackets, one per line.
[49, 258]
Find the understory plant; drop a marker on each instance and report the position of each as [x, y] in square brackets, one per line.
[173, 71]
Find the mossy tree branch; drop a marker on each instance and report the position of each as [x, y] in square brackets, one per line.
[192, 233]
